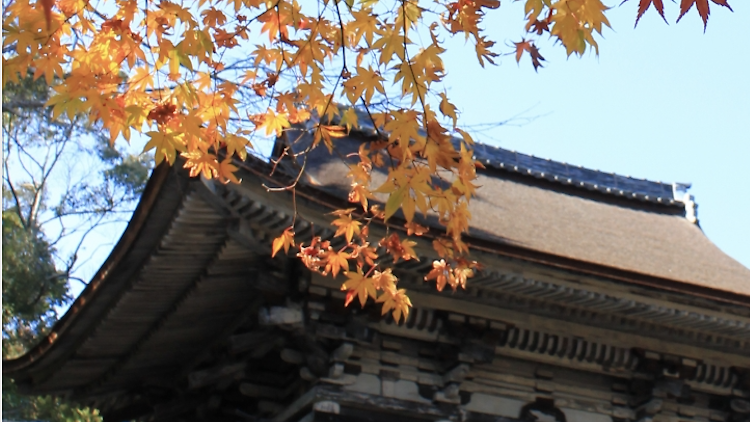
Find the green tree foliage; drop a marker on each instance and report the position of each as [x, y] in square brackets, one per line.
[32, 287]
[49, 210]
[24, 408]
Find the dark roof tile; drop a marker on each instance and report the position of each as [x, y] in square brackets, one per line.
[555, 171]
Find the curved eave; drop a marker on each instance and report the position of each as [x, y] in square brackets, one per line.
[163, 190]
[150, 196]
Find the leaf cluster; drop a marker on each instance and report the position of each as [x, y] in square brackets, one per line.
[205, 80]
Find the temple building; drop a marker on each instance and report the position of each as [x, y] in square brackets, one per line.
[601, 300]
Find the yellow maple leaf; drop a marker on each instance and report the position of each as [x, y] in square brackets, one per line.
[274, 123]
[201, 163]
[358, 286]
[285, 241]
[166, 145]
[326, 132]
[448, 109]
[365, 82]
[336, 261]
[347, 226]
[363, 24]
[226, 172]
[350, 119]
[397, 302]
[411, 82]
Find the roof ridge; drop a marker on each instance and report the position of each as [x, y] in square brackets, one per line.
[613, 184]
[580, 177]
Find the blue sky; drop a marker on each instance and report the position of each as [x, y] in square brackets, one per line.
[660, 102]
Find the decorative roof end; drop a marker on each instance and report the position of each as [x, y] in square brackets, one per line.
[679, 191]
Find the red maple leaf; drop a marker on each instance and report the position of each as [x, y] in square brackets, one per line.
[533, 51]
[520, 48]
[540, 26]
[645, 4]
[703, 9]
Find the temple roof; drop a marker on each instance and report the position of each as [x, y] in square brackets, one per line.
[560, 172]
[580, 177]
[195, 256]
[587, 216]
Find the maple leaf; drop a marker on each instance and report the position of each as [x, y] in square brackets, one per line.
[359, 193]
[703, 8]
[213, 17]
[483, 51]
[390, 42]
[399, 249]
[336, 261]
[274, 123]
[395, 199]
[347, 226]
[237, 145]
[415, 229]
[358, 286]
[201, 163]
[366, 82]
[363, 25]
[411, 82]
[49, 66]
[397, 302]
[521, 47]
[528, 46]
[643, 6]
[542, 26]
[404, 127]
[326, 132]
[285, 241]
[384, 280]
[226, 172]
[536, 58]
[441, 273]
[47, 6]
[364, 254]
[350, 119]
[166, 145]
[448, 109]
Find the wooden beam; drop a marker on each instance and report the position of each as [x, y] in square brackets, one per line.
[209, 376]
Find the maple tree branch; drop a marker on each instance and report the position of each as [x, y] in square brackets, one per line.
[372, 119]
[307, 150]
[343, 43]
[47, 172]
[12, 188]
[22, 104]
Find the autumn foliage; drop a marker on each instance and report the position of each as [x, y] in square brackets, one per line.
[204, 76]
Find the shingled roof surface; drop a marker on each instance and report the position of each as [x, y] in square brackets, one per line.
[561, 210]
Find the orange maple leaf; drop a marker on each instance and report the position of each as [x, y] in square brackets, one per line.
[47, 6]
[441, 273]
[413, 228]
[399, 249]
